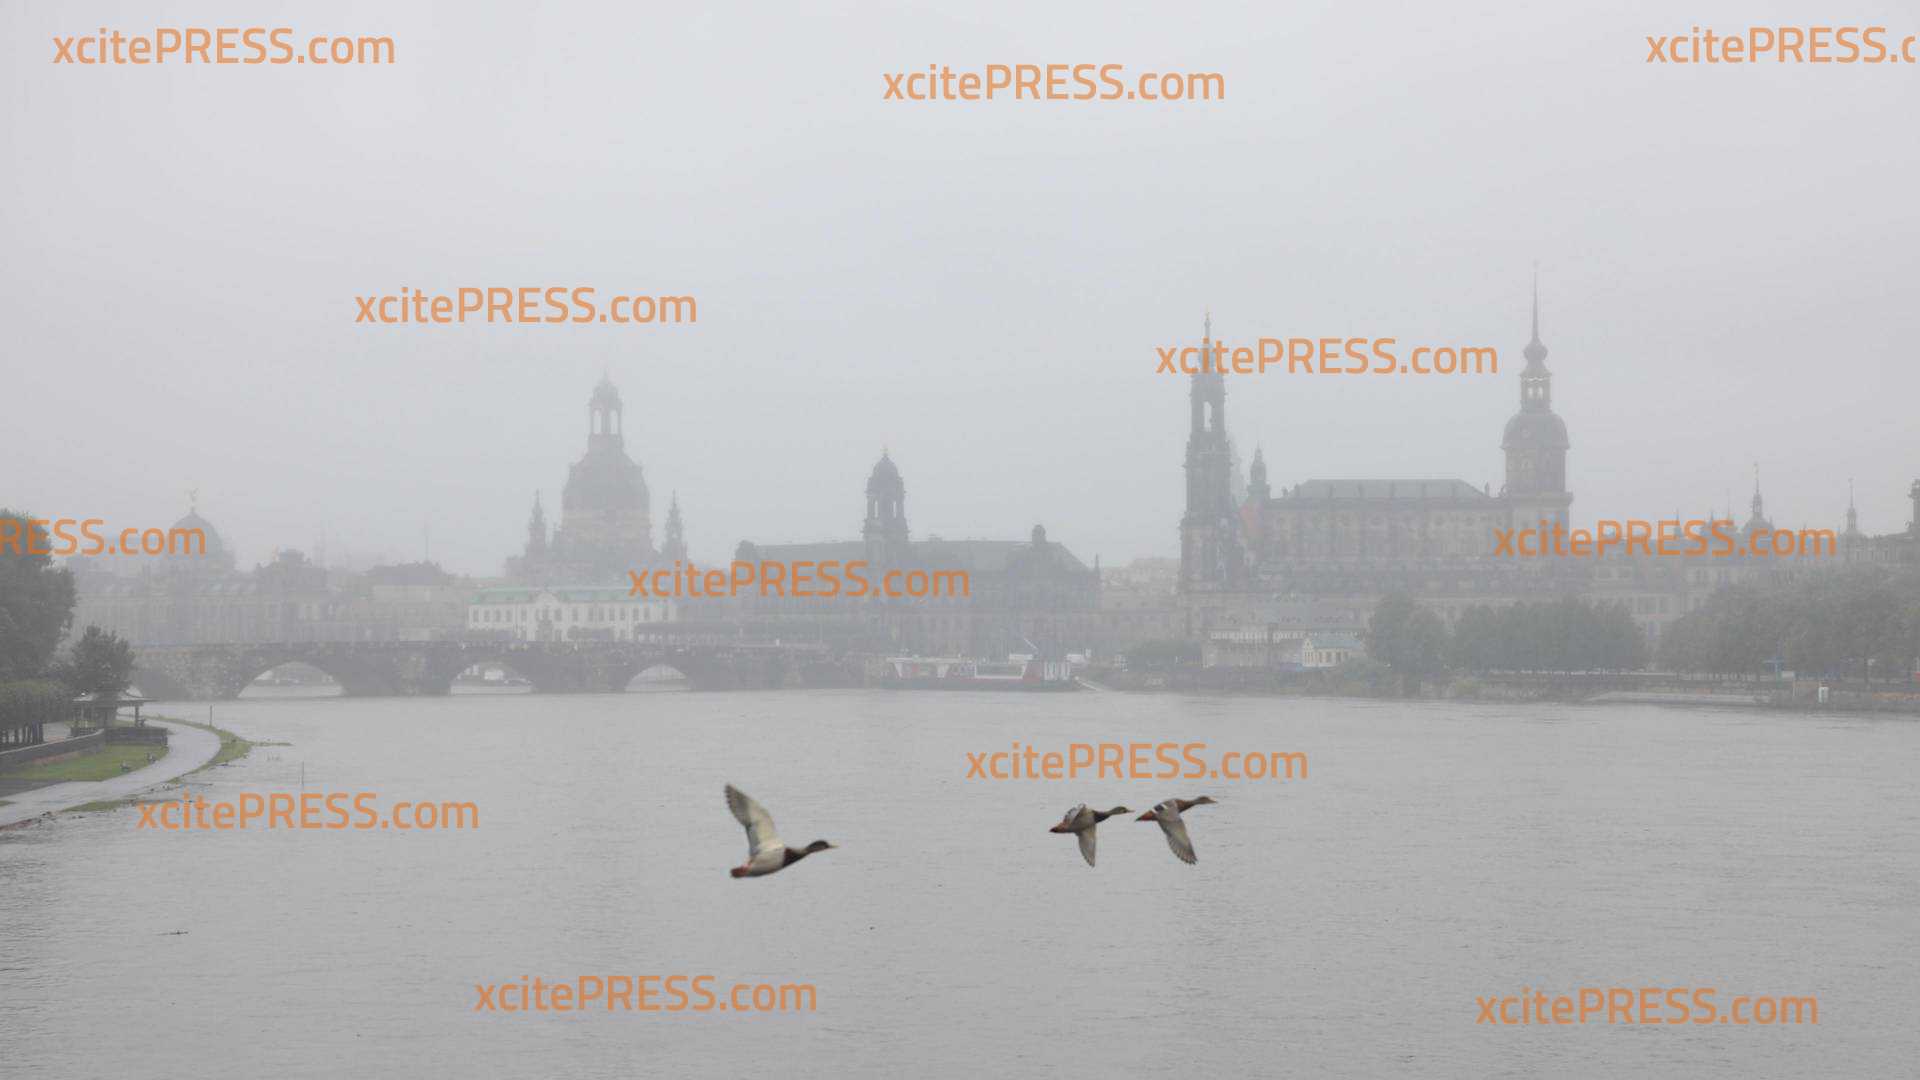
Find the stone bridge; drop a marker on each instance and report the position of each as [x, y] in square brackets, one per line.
[406, 668]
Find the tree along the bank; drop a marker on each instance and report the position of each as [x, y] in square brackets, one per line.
[1567, 634]
[102, 664]
[1858, 623]
[1408, 639]
[1163, 654]
[36, 599]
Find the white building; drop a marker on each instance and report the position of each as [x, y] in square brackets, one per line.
[586, 613]
[1330, 649]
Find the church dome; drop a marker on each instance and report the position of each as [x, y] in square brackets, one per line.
[1535, 429]
[214, 553]
[885, 476]
[605, 480]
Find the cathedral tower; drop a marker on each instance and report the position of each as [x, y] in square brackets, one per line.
[1210, 550]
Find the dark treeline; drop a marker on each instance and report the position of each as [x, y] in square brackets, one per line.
[1566, 634]
[36, 611]
[1560, 635]
[1855, 624]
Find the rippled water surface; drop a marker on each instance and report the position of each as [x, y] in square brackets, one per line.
[1340, 925]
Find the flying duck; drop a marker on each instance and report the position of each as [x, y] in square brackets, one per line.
[765, 851]
[1168, 815]
[1080, 821]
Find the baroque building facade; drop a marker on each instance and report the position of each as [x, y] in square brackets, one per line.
[1030, 595]
[1254, 563]
[1357, 538]
[202, 598]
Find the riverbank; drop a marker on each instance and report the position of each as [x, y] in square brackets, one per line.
[1370, 682]
[232, 748]
[192, 747]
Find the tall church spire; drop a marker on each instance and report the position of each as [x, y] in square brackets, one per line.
[1210, 541]
[1536, 382]
[1758, 505]
[1536, 307]
[675, 546]
[536, 529]
[1535, 440]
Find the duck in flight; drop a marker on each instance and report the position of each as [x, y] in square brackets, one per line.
[1168, 815]
[1081, 821]
[765, 851]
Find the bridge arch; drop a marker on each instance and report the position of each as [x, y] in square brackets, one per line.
[358, 676]
[659, 677]
[440, 671]
[307, 688]
[375, 668]
[492, 677]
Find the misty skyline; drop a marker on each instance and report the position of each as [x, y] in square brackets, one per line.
[1726, 259]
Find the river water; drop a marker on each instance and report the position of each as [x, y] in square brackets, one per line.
[1338, 925]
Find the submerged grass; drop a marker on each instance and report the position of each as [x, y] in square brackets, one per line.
[232, 748]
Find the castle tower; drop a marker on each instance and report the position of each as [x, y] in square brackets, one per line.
[886, 522]
[1210, 549]
[1535, 441]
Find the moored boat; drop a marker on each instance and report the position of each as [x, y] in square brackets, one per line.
[963, 673]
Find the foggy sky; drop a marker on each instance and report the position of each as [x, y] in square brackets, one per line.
[1726, 256]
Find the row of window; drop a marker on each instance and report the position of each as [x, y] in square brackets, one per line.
[578, 613]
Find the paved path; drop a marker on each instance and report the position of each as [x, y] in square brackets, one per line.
[188, 748]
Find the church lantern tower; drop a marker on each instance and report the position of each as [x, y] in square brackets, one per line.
[1535, 442]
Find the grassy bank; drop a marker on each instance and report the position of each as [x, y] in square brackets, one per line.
[232, 748]
[102, 764]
